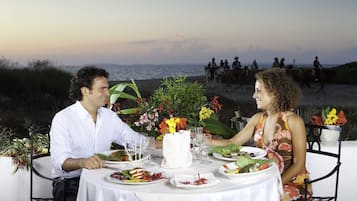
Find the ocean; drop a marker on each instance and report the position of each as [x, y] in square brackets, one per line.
[152, 71]
[144, 71]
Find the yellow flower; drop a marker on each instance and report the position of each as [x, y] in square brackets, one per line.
[160, 137]
[205, 113]
[331, 117]
[172, 124]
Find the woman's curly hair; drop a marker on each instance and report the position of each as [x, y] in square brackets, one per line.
[84, 78]
[286, 92]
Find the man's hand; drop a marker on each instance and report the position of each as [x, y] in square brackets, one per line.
[93, 162]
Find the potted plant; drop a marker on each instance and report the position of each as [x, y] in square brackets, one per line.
[19, 149]
[333, 121]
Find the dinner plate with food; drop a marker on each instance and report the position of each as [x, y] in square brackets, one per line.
[120, 158]
[231, 152]
[194, 181]
[245, 166]
[136, 176]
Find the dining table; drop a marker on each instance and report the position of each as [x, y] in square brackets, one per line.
[95, 186]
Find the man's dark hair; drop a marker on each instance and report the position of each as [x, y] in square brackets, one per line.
[84, 78]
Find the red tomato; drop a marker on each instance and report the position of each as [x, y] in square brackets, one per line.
[264, 166]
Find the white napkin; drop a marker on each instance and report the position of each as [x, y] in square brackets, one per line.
[176, 150]
[178, 179]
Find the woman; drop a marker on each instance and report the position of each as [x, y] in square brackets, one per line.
[277, 129]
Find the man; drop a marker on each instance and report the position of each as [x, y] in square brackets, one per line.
[83, 129]
[316, 71]
[236, 66]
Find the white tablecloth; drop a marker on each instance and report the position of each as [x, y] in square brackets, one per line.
[93, 186]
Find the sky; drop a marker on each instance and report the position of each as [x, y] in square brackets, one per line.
[75, 32]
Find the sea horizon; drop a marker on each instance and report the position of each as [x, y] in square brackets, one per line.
[120, 72]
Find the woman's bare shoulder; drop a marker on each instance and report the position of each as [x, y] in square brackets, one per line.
[255, 118]
[292, 118]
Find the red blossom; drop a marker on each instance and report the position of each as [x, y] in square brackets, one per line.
[316, 120]
[341, 118]
[215, 105]
[116, 106]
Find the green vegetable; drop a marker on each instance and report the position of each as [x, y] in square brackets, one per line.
[226, 150]
[244, 160]
[126, 174]
[103, 157]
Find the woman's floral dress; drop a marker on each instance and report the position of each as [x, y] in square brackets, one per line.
[280, 150]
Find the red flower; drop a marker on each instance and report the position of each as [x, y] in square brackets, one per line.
[214, 104]
[316, 120]
[341, 118]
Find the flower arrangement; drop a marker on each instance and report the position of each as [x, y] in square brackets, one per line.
[329, 116]
[176, 104]
[172, 125]
[19, 150]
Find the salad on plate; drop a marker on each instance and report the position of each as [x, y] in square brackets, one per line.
[245, 165]
[232, 151]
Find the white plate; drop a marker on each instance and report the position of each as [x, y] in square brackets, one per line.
[118, 181]
[233, 165]
[176, 181]
[124, 164]
[258, 152]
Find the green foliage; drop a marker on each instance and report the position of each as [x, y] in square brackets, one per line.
[19, 149]
[216, 127]
[34, 93]
[183, 98]
[118, 92]
[6, 134]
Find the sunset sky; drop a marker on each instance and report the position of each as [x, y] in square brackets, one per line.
[73, 32]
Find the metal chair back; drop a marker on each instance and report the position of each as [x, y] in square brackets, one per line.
[314, 146]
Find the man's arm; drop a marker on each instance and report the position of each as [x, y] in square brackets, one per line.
[93, 162]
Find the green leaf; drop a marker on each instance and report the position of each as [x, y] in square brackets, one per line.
[128, 111]
[117, 91]
[216, 127]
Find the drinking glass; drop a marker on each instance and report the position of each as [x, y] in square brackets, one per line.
[196, 141]
[149, 149]
[205, 149]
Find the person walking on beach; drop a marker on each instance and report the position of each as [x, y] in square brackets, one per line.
[276, 63]
[83, 129]
[282, 64]
[255, 64]
[277, 129]
[236, 64]
[213, 68]
[317, 70]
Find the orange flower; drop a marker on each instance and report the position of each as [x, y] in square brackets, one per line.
[341, 118]
[182, 124]
[164, 128]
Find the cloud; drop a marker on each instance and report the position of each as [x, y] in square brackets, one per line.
[144, 42]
